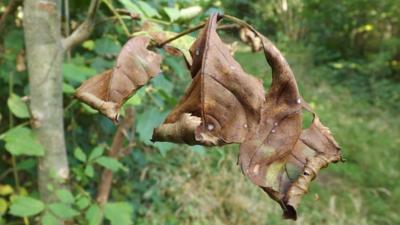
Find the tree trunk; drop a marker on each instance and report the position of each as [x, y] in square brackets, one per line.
[42, 27]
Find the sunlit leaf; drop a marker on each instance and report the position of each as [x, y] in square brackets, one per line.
[3, 206]
[6, 189]
[89, 44]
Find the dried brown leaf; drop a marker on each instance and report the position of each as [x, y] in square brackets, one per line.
[222, 95]
[280, 157]
[135, 66]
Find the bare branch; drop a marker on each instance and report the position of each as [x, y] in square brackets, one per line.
[85, 29]
[117, 150]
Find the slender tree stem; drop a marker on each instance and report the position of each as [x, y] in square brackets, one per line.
[11, 125]
[116, 151]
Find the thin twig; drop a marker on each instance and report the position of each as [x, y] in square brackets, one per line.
[111, 7]
[183, 33]
[85, 29]
[190, 30]
[116, 151]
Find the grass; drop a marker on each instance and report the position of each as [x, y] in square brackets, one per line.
[206, 186]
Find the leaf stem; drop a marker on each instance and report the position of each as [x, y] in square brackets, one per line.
[183, 33]
[111, 7]
[190, 30]
[13, 158]
[70, 105]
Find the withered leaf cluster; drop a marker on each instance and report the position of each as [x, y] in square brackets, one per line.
[225, 105]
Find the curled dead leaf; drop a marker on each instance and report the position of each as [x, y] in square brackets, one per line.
[221, 94]
[135, 66]
[280, 157]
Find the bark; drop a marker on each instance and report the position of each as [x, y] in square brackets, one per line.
[45, 48]
[42, 28]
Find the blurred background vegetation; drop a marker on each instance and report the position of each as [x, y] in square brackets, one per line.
[346, 58]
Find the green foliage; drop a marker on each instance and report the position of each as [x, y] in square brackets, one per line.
[26, 206]
[17, 106]
[65, 196]
[29, 146]
[110, 163]
[94, 215]
[119, 213]
[63, 210]
[49, 219]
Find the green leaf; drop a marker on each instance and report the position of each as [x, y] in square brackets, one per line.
[80, 155]
[62, 210]
[24, 206]
[134, 100]
[183, 43]
[49, 219]
[172, 13]
[3, 206]
[119, 213]
[96, 152]
[147, 121]
[65, 196]
[6, 189]
[100, 64]
[93, 215]
[161, 83]
[83, 202]
[148, 10]
[88, 109]
[107, 46]
[110, 163]
[77, 73]
[29, 146]
[27, 164]
[89, 44]
[17, 106]
[131, 7]
[68, 89]
[89, 171]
